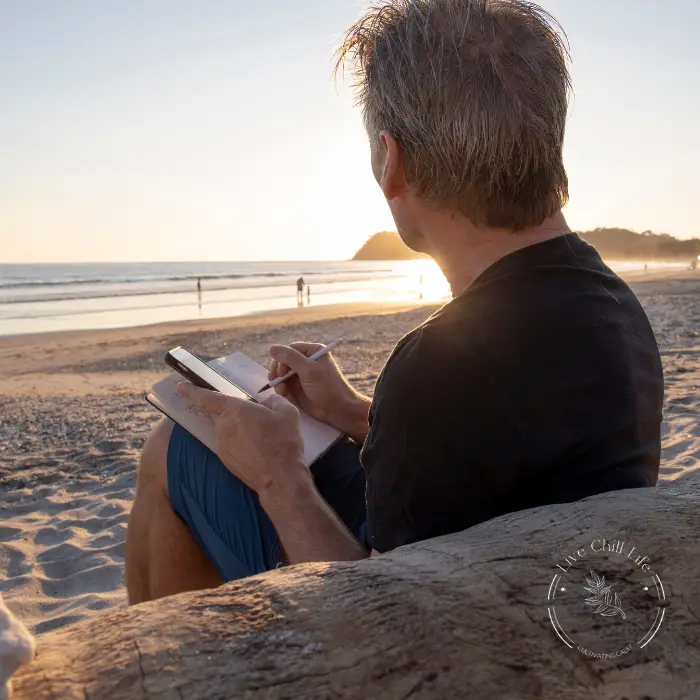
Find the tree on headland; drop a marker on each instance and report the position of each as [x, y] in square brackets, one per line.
[610, 242]
[386, 245]
[622, 243]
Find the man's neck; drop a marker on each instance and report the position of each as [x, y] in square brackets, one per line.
[463, 251]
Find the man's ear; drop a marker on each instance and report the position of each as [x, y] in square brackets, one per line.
[391, 177]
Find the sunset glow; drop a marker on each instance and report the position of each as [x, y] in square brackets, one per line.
[213, 131]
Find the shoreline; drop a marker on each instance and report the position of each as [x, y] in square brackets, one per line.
[144, 295]
[316, 312]
[350, 308]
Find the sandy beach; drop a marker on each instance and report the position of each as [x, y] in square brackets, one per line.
[73, 420]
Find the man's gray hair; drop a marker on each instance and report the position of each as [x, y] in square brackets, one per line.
[476, 93]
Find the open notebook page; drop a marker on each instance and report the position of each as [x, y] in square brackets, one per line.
[250, 376]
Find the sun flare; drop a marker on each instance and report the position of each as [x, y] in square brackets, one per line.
[430, 281]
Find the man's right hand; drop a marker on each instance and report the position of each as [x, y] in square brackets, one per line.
[319, 388]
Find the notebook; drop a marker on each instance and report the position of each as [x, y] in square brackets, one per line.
[249, 376]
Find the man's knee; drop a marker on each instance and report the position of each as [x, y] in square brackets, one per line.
[153, 467]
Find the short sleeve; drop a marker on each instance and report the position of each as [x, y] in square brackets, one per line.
[442, 452]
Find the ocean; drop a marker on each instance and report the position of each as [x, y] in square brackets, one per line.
[59, 297]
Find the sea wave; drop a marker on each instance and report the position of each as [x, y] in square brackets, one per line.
[21, 284]
[11, 297]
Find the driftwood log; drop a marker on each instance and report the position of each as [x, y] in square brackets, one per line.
[463, 616]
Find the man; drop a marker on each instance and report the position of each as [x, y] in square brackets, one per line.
[540, 382]
[300, 289]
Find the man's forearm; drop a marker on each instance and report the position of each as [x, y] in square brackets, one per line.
[353, 418]
[306, 525]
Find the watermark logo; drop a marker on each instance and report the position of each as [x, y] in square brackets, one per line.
[602, 597]
[605, 599]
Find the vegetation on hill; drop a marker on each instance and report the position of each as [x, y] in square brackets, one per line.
[621, 243]
[386, 245]
[610, 242]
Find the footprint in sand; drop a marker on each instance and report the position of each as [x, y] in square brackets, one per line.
[111, 446]
[104, 578]
[14, 560]
[52, 535]
[10, 533]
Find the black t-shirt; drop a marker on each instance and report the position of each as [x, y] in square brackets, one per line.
[542, 383]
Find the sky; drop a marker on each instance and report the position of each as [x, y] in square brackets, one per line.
[139, 130]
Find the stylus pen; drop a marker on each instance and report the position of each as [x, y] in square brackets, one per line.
[319, 353]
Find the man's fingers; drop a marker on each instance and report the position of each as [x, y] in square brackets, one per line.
[278, 404]
[210, 401]
[272, 372]
[294, 359]
[306, 349]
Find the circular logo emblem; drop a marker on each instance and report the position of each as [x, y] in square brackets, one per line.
[605, 600]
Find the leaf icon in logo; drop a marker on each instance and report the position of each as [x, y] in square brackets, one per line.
[606, 604]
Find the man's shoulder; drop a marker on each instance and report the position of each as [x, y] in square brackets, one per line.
[429, 353]
[459, 327]
[518, 313]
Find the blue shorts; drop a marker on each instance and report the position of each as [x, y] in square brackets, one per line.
[225, 516]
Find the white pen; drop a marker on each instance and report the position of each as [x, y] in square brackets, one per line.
[319, 353]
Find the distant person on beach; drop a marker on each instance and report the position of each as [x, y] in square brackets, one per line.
[300, 289]
[693, 263]
[539, 383]
[199, 285]
[308, 294]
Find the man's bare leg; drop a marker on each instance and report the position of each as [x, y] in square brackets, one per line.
[162, 557]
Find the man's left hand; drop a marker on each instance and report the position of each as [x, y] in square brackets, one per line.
[260, 443]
